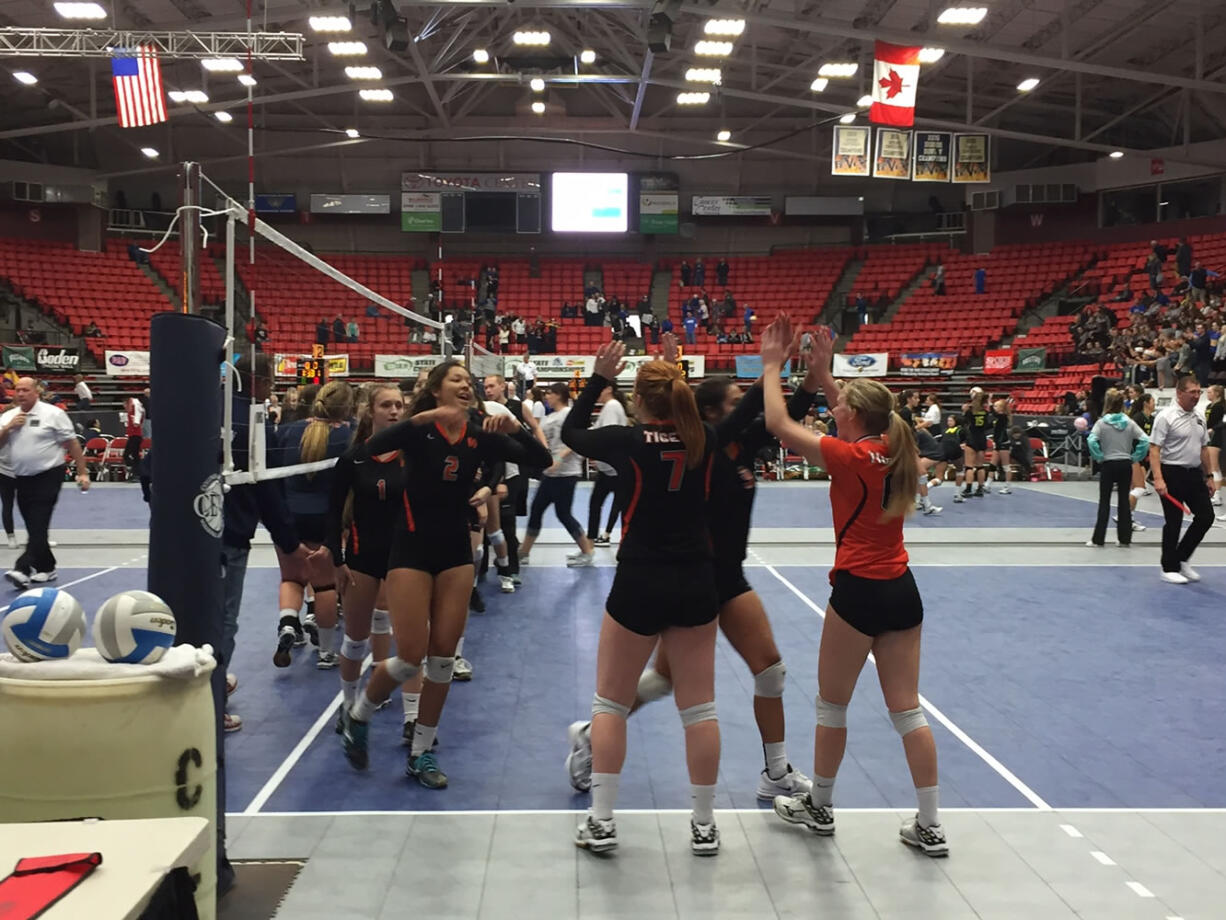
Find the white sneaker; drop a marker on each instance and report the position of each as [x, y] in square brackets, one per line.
[505, 584]
[12, 541]
[793, 782]
[523, 558]
[1174, 578]
[231, 722]
[231, 683]
[932, 509]
[1188, 572]
[959, 498]
[41, 578]
[704, 839]
[462, 670]
[1217, 499]
[326, 661]
[596, 835]
[1093, 544]
[579, 760]
[580, 560]
[18, 579]
[799, 809]
[929, 839]
[1004, 490]
[1137, 526]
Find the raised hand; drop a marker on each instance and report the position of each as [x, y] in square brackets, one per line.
[777, 342]
[671, 351]
[609, 361]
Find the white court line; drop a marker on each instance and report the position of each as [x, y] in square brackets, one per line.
[1102, 857]
[278, 776]
[77, 581]
[1070, 830]
[1005, 773]
[539, 812]
[1140, 890]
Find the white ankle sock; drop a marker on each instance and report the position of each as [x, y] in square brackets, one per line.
[349, 692]
[362, 708]
[423, 738]
[776, 758]
[327, 639]
[703, 798]
[929, 798]
[459, 648]
[604, 794]
[823, 790]
[411, 702]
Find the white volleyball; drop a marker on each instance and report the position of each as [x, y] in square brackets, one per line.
[43, 624]
[134, 627]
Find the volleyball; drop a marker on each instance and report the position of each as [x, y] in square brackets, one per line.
[134, 627]
[44, 623]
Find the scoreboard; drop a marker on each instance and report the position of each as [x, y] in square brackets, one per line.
[312, 370]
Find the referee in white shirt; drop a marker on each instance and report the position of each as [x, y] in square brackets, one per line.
[1183, 470]
[35, 435]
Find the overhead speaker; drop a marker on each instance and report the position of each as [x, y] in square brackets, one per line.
[660, 25]
[396, 36]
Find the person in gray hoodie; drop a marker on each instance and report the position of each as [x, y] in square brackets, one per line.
[1116, 442]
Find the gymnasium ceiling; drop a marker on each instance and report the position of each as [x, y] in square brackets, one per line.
[1133, 74]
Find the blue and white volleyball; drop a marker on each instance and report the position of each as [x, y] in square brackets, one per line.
[44, 623]
[134, 627]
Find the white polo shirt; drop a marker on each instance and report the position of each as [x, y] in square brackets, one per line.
[1181, 435]
[38, 445]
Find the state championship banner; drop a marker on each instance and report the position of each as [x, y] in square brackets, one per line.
[928, 364]
[998, 361]
[876, 364]
[893, 157]
[127, 363]
[405, 365]
[850, 151]
[971, 158]
[896, 71]
[931, 156]
[19, 358]
[1031, 359]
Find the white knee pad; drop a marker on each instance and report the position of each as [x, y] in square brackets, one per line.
[355, 649]
[1137, 493]
[831, 715]
[401, 670]
[380, 623]
[608, 707]
[653, 686]
[439, 669]
[908, 721]
[498, 541]
[769, 682]
[699, 712]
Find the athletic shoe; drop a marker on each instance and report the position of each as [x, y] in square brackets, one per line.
[340, 719]
[310, 629]
[19, 580]
[979, 493]
[424, 769]
[603, 539]
[596, 835]
[959, 498]
[12, 541]
[929, 839]
[1093, 544]
[353, 737]
[462, 670]
[231, 723]
[476, 602]
[1004, 490]
[704, 839]
[231, 683]
[1188, 572]
[580, 560]
[1137, 526]
[516, 580]
[41, 578]
[523, 559]
[506, 584]
[793, 782]
[930, 508]
[1174, 578]
[800, 809]
[287, 638]
[919, 506]
[579, 760]
[326, 661]
[1217, 499]
[406, 733]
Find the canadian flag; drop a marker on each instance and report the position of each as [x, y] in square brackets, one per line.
[895, 78]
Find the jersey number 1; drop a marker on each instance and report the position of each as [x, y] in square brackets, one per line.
[886, 487]
[677, 459]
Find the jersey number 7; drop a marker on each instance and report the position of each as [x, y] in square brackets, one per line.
[677, 459]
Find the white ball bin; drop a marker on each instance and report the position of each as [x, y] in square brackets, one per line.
[136, 747]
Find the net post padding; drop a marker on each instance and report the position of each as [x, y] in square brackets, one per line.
[185, 353]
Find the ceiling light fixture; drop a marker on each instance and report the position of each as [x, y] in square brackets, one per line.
[222, 65]
[963, 16]
[376, 95]
[352, 133]
[843, 69]
[703, 75]
[713, 49]
[693, 98]
[819, 84]
[848, 118]
[537, 84]
[330, 23]
[24, 76]
[539, 108]
[931, 55]
[150, 152]
[364, 73]
[1116, 154]
[481, 56]
[864, 102]
[531, 38]
[1028, 84]
[347, 49]
[80, 10]
[587, 56]
[246, 79]
[724, 135]
[724, 26]
[224, 117]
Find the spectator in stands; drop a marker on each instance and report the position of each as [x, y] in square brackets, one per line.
[981, 280]
[84, 397]
[938, 280]
[691, 325]
[1153, 268]
[525, 375]
[92, 429]
[1202, 353]
[92, 331]
[1198, 280]
[861, 306]
[1124, 295]
[504, 339]
[686, 273]
[666, 326]
[700, 272]
[704, 316]
[371, 310]
[592, 313]
[721, 272]
[1183, 257]
[748, 319]
[321, 332]
[338, 329]
[352, 332]
[729, 304]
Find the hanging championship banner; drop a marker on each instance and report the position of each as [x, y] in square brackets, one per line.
[931, 156]
[998, 361]
[893, 154]
[19, 358]
[849, 153]
[971, 158]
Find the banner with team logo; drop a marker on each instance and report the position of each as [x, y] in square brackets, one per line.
[876, 364]
[127, 363]
[404, 365]
[1031, 359]
[928, 364]
[19, 358]
[998, 361]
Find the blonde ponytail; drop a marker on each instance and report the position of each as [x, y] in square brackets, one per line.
[904, 468]
[334, 403]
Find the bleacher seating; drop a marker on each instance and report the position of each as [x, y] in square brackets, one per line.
[1047, 394]
[889, 269]
[167, 261]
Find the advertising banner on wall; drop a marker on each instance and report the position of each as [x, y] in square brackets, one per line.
[276, 204]
[749, 367]
[351, 204]
[730, 205]
[928, 364]
[892, 159]
[998, 361]
[470, 182]
[658, 212]
[876, 364]
[1031, 359]
[931, 156]
[850, 152]
[19, 358]
[57, 359]
[127, 363]
[402, 366]
[971, 158]
[421, 212]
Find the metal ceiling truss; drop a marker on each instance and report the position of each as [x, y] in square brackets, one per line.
[87, 43]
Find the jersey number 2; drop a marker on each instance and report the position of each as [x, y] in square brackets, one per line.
[677, 459]
[450, 467]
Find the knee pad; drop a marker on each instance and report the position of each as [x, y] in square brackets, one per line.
[497, 540]
[401, 670]
[1137, 493]
[608, 707]
[908, 721]
[769, 682]
[653, 686]
[699, 712]
[355, 649]
[380, 623]
[439, 669]
[831, 715]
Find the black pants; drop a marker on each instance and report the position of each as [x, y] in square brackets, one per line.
[36, 497]
[508, 509]
[1188, 485]
[603, 486]
[558, 491]
[131, 454]
[8, 490]
[1114, 476]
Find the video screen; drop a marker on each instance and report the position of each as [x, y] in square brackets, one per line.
[589, 202]
[489, 212]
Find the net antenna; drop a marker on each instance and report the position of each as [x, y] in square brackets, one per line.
[236, 213]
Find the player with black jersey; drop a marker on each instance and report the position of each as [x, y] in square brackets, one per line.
[429, 576]
[976, 423]
[664, 587]
[1002, 440]
[1215, 421]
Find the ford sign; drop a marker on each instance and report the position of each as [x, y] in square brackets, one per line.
[119, 360]
[860, 361]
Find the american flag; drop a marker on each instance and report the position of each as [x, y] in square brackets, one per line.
[138, 88]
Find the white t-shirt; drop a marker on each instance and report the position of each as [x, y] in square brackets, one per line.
[611, 413]
[933, 415]
[527, 370]
[497, 408]
[38, 445]
[572, 463]
[82, 391]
